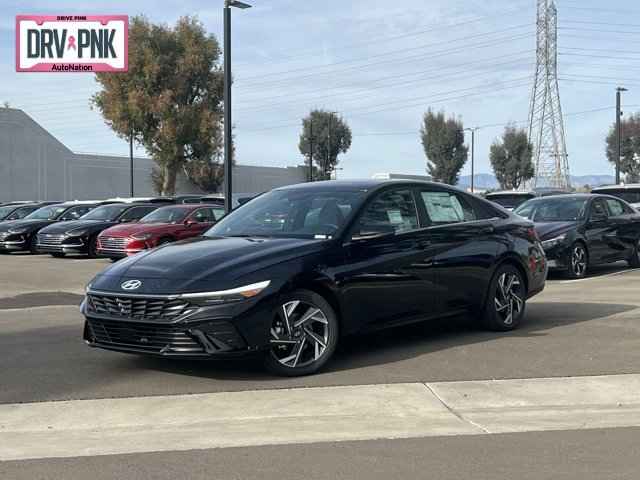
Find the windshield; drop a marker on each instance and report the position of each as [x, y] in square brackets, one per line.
[629, 196]
[553, 209]
[47, 213]
[166, 215]
[305, 213]
[509, 201]
[107, 213]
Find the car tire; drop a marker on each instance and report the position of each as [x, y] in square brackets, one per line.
[303, 349]
[33, 245]
[578, 261]
[634, 260]
[57, 255]
[92, 247]
[506, 300]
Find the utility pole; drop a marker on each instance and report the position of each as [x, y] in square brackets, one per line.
[619, 90]
[228, 139]
[311, 148]
[131, 162]
[473, 149]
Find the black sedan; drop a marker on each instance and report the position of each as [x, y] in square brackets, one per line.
[21, 234]
[578, 231]
[80, 236]
[290, 272]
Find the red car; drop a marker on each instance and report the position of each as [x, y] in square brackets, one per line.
[164, 225]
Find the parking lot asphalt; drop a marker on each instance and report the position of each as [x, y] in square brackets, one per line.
[574, 328]
[571, 455]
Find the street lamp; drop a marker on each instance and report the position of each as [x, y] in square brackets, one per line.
[619, 90]
[473, 145]
[228, 148]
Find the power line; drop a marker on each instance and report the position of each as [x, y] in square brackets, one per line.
[286, 81]
[429, 29]
[261, 77]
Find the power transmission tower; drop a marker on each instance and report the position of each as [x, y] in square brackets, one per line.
[546, 127]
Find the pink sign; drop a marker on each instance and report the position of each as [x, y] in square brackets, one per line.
[72, 43]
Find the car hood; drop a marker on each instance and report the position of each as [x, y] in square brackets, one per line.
[31, 225]
[549, 230]
[64, 227]
[129, 229]
[202, 263]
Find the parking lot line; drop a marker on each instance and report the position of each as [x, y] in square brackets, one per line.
[310, 415]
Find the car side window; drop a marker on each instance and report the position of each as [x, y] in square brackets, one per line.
[135, 214]
[447, 207]
[203, 215]
[75, 213]
[393, 211]
[598, 209]
[616, 208]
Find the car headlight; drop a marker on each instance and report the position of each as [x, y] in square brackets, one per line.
[552, 242]
[142, 236]
[225, 296]
[77, 233]
[18, 231]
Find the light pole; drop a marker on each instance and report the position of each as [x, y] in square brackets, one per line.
[473, 148]
[619, 90]
[228, 148]
[131, 161]
[331, 114]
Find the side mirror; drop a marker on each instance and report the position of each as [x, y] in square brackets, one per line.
[190, 223]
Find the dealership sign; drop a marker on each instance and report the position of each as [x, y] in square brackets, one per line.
[72, 43]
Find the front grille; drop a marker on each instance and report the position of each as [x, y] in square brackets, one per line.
[113, 243]
[151, 338]
[49, 239]
[137, 308]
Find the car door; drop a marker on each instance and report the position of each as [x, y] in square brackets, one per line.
[622, 235]
[462, 247]
[378, 280]
[597, 228]
[197, 223]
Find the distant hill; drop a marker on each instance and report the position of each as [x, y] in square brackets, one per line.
[485, 181]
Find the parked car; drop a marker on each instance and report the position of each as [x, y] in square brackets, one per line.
[581, 230]
[630, 193]
[19, 210]
[21, 234]
[164, 225]
[509, 199]
[80, 236]
[289, 273]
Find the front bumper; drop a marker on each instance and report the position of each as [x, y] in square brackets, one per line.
[198, 340]
[557, 257]
[166, 326]
[13, 245]
[78, 246]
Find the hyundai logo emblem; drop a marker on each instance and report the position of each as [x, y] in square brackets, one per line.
[131, 285]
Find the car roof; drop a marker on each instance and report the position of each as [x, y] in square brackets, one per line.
[510, 192]
[627, 186]
[187, 206]
[364, 184]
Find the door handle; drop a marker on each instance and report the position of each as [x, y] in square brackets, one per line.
[487, 229]
[424, 244]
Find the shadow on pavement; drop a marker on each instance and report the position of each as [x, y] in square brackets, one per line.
[406, 342]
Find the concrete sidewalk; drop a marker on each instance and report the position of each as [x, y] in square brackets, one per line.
[306, 415]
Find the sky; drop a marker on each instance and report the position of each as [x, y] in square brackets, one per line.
[379, 64]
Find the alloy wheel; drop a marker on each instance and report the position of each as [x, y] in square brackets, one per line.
[578, 261]
[299, 334]
[508, 298]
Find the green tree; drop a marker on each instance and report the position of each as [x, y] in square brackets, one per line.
[328, 135]
[511, 158]
[170, 100]
[629, 147]
[443, 143]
